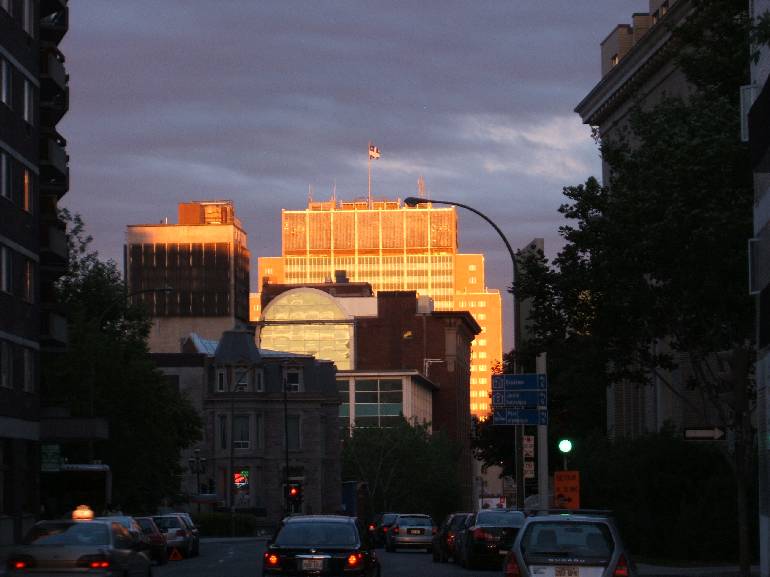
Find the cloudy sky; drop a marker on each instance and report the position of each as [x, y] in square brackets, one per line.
[259, 100]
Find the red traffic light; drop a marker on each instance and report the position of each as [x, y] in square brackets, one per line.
[293, 492]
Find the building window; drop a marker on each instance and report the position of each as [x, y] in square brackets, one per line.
[241, 436]
[29, 102]
[242, 379]
[482, 355]
[29, 370]
[6, 364]
[481, 342]
[292, 378]
[223, 431]
[26, 193]
[5, 176]
[471, 280]
[614, 60]
[221, 382]
[471, 267]
[293, 428]
[259, 380]
[6, 268]
[481, 316]
[5, 82]
[482, 304]
[28, 288]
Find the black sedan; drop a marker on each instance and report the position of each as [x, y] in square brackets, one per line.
[321, 545]
[487, 536]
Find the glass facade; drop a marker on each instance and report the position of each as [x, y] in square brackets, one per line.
[308, 321]
[376, 402]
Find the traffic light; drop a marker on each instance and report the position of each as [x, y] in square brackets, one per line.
[294, 492]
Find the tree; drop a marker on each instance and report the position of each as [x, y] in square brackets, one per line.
[107, 372]
[405, 468]
[652, 278]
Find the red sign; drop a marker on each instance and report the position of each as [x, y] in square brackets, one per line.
[566, 489]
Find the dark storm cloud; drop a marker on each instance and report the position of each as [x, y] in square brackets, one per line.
[257, 101]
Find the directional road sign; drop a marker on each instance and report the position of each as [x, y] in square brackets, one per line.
[511, 416]
[704, 434]
[520, 399]
[514, 382]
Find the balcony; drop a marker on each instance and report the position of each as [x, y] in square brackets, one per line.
[53, 329]
[54, 20]
[54, 88]
[53, 245]
[54, 169]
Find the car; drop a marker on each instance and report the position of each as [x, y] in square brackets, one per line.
[380, 526]
[483, 535]
[444, 539]
[158, 546]
[569, 544]
[72, 548]
[178, 534]
[321, 545]
[195, 533]
[415, 530]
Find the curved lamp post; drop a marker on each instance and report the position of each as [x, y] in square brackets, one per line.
[518, 465]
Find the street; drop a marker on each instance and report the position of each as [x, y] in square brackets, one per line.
[243, 558]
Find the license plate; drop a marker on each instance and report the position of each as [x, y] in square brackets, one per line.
[566, 572]
[312, 564]
[415, 531]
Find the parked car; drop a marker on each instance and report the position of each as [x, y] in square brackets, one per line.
[71, 548]
[483, 535]
[178, 535]
[570, 545]
[158, 545]
[321, 545]
[445, 538]
[380, 526]
[195, 545]
[411, 531]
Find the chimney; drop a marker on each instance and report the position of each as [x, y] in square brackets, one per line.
[340, 277]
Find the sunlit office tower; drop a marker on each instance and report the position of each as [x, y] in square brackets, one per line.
[193, 276]
[392, 247]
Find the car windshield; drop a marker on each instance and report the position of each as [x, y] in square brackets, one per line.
[500, 518]
[311, 533]
[164, 523]
[573, 539]
[73, 533]
[415, 521]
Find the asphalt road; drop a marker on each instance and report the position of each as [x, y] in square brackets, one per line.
[244, 559]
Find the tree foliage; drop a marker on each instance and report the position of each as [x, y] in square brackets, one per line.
[107, 372]
[405, 468]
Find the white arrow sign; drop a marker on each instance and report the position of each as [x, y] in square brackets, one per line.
[712, 434]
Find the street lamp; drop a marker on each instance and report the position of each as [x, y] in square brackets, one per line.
[197, 465]
[518, 464]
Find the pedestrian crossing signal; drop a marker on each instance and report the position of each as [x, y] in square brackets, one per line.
[295, 492]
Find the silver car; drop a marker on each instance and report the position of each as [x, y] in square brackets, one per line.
[75, 548]
[568, 545]
[178, 535]
[411, 531]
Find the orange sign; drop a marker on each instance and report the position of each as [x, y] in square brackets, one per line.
[566, 489]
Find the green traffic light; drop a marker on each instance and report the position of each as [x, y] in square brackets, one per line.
[565, 445]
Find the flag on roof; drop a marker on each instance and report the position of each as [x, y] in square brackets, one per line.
[374, 152]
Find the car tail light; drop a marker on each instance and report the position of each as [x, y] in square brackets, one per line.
[394, 530]
[434, 530]
[621, 569]
[511, 568]
[18, 564]
[372, 527]
[93, 562]
[384, 529]
[482, 535]
[271, 559]
[354, 559]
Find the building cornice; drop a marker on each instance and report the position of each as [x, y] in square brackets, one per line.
[648, 55]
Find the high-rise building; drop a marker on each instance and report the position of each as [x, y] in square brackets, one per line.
[192, 276]
[34, 175]
[394, 248]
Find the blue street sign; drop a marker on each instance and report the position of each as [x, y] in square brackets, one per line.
[511, 382]
[522, 399]
[509, 416]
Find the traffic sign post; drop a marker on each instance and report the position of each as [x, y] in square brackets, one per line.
[704, 434]
[566, 489]
[508, 416]
[511, 382]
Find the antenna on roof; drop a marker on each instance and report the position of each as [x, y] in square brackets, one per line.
[309, 193]
[334, 192]
[421, 187]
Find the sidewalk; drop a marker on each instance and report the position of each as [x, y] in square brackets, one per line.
[706, 571]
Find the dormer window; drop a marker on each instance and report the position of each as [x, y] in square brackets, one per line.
[614, 60]
[293, 379]
[655, 16]
[221, 381]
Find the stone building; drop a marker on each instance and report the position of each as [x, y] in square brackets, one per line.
[247, 416]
